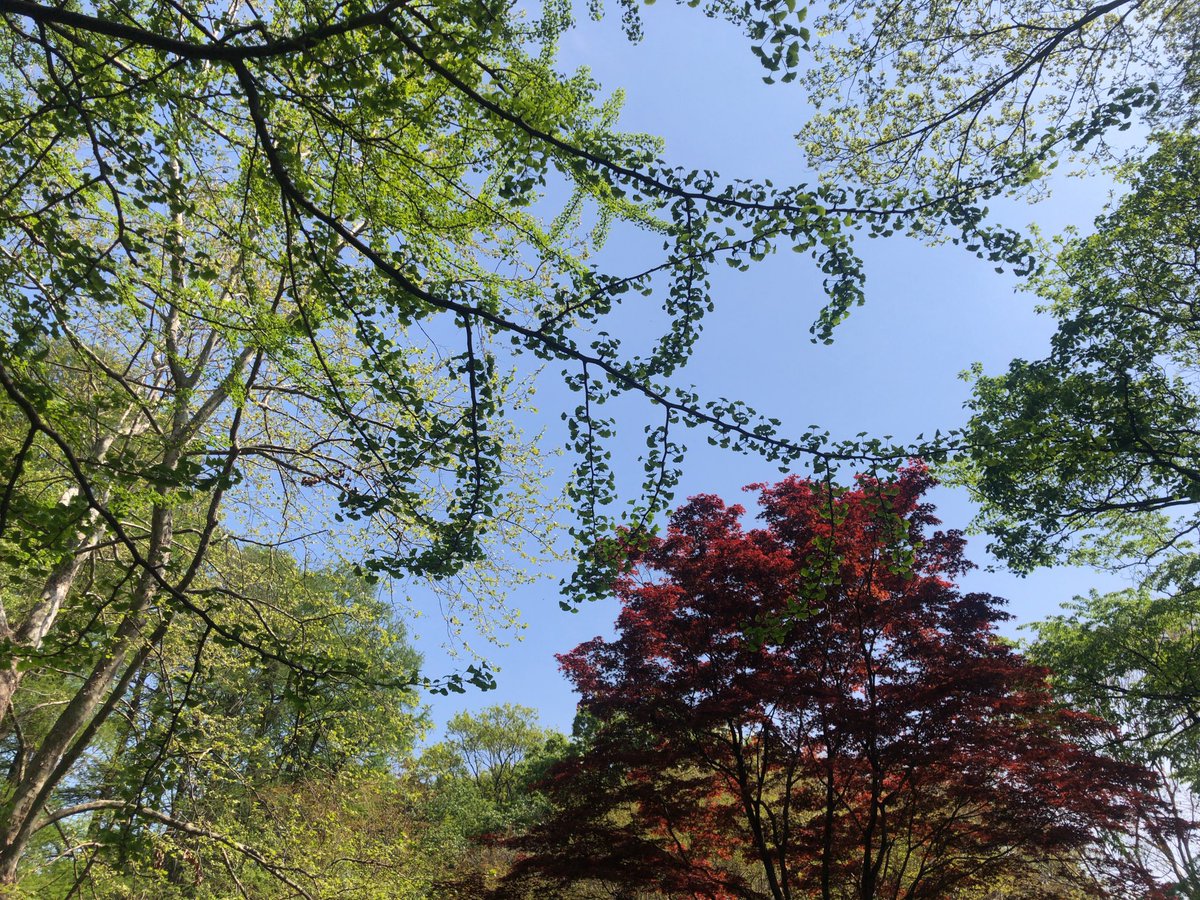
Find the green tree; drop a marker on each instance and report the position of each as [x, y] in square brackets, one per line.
[278, 274]
[480, 783]
[1090, 454]
[950, 97]
[486, 765]
[213, 746]
[1131, 657]
[493, 745]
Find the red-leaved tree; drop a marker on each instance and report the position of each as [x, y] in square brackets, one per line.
[811, 708]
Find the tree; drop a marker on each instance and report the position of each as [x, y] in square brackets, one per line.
[481, 768]
[1089, 454]
[811, 708]
[212, 747]
[278, 275]
[492, 746]
[477, 787]
[1130, 657]
[983, 97]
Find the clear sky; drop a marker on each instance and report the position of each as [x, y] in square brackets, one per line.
[931, 312]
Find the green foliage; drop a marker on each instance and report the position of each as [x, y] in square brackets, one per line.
[1090, 453]
[476, 786]
[346, 700]
[256, 753]
[347, 835]
[1132, 657]
[978, 96]
[482, 774]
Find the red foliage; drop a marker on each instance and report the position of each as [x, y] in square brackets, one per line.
[812, 709]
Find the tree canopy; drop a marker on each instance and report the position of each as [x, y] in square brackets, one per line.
[981, 96]
[1090, 452]
[276, 282]
[812, 709]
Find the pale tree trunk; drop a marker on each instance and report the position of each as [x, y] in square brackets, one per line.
[40, 776]
[50, 762]
[30, 785]
[28, 636]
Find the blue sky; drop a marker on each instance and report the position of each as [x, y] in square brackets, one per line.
[930, 313]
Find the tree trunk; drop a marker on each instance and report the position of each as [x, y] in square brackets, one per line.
[41, 776]
[779, 891]
[29, 635]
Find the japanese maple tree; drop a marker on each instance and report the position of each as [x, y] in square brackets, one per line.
[811, 708]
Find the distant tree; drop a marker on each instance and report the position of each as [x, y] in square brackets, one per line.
[476, 786]
[812, 709]
[486, 754]
[493, 745]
